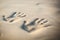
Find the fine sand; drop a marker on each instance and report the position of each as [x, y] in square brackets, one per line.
[47, 9]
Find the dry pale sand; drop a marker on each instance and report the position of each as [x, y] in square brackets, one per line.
[48, 9]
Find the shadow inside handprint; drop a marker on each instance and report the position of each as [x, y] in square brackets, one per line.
[13, 17]
[25, 27]
[32, 25]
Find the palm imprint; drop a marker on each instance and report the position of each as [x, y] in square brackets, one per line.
[13, 17]
[31, 26]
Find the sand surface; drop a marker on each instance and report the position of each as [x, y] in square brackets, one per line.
[47, 9]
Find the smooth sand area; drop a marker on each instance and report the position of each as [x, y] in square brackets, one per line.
[47, 9]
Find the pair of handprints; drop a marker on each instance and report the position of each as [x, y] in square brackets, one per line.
[27, 27]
